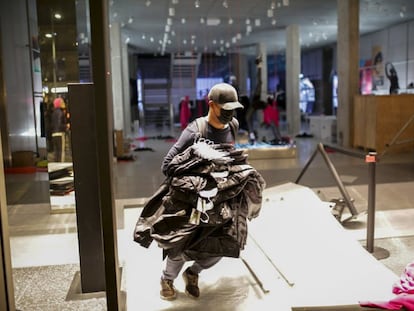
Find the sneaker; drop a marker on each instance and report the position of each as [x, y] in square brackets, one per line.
[167, 291]
[191, 283]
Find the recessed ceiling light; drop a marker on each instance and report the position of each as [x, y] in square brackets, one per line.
[270, 13]
[212, 21]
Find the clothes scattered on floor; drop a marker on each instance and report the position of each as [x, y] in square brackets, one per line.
[404, 290]
[160, 137]
[144, 149]
[304, 135]
[126, 158]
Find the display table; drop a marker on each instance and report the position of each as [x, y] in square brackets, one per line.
[323, 127]
[62, 195]
[378, 119]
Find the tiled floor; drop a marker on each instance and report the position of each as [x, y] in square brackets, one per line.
[44, 245]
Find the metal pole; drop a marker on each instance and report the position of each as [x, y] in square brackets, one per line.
[52, 22]
[338, 180]
[101, 71]
[306, 166]
[371, 159]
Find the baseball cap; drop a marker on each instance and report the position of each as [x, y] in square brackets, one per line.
[225, 95]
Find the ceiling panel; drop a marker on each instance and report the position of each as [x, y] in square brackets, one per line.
[242, 23]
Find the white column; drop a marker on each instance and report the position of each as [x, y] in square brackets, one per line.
[348, 68]
[262, 50]
[116, 74]
[126, 92]
[292, 79]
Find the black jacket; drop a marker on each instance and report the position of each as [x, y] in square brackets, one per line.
[236, 194]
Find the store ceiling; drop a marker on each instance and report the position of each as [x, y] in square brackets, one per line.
[222, 26]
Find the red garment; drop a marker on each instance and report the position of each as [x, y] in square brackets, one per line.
[271, 114]
[404, 290]
[185, 112]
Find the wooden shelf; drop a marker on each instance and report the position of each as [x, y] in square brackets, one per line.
[378, 119]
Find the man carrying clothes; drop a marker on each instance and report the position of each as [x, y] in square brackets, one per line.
[222, 102]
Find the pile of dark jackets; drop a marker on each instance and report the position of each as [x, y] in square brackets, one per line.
[202, 207]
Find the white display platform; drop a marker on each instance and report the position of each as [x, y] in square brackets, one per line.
[323, 127]
[321, 265]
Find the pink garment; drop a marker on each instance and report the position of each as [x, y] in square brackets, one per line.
[185, 112]
[271, 114]
[404, 290]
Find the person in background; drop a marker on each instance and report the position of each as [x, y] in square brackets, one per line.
[58, 129]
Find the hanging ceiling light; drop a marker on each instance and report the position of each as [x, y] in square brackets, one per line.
[225, 4]
[148, 3]
[197, 4]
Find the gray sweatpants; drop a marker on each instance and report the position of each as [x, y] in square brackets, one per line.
[173, 266]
